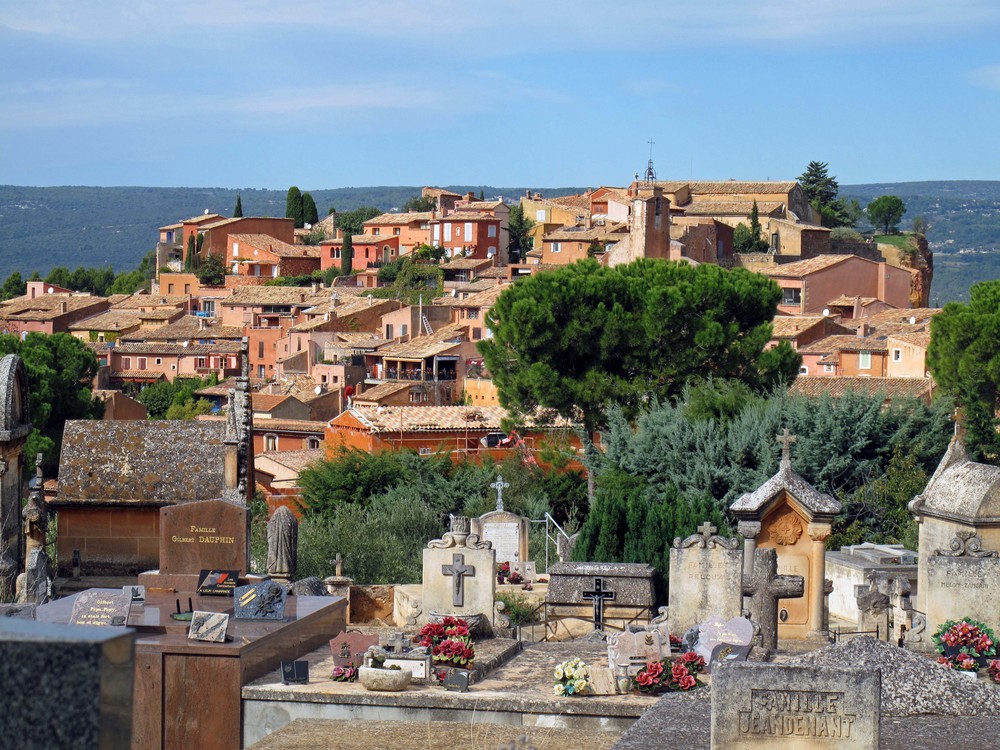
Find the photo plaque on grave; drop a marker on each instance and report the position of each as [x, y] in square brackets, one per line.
[295, 672]
[98, 607]
[208, 626]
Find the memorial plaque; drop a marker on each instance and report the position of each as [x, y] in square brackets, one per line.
[526, 570]
[295, 672]
[208, 626]
[349, 648]
[419, 665]
[97, 607]
[508, 532]
[457, 680]
[736, 632]
[961, 587]
[727, 652]
[217, 582]
[260, 601]
[644, 647]
[210, 534]
[777, 706]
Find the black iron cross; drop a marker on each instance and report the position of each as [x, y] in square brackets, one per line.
[599, 595]
[458, 569]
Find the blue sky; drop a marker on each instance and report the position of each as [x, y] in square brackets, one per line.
[266, 93]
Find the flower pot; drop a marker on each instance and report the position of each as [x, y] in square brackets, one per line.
[385, 680]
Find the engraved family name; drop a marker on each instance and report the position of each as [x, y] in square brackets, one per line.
[203, 537]
[798, 713]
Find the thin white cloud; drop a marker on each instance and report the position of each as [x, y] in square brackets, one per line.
[987, 77]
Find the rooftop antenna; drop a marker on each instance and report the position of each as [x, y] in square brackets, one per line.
[650, 175]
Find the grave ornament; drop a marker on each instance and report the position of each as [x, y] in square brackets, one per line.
[765, 587]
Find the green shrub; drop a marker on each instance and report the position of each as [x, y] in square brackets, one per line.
[519, 608]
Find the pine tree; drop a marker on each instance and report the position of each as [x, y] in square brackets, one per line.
[293, 206]
[309, 214]
[238, 211]
[346, 255]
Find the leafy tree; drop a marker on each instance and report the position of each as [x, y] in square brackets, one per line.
[59, 276]
[576, 337]
[420, 203]
[212, 272]
[742, 239]
[293, 206]
[14, 286]
[886, 211]
[61, 370]
[309, 213]
[428, 252]
[519, 226]
[352, 222]
[238, 210]
[189, 409]
[920, 225]
[965, 360]
[346, 255]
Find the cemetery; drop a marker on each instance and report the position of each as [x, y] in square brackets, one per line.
[764, 637]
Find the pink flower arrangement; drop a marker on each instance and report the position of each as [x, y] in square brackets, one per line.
[994, 671]
[449, 641]
[345, 674]
[665, 675]
[964, 643]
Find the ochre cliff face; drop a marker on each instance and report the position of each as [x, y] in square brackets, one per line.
[920, 260]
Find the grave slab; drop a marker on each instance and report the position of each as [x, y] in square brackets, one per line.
[706, 578]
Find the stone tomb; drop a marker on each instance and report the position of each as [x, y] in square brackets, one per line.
[777, 706]
[459, 574]
[706, 578]
[205, 535]
[958, 573]
[853, 566]
[508, 532]
[581, 593]
[66, 686]
[790, 516]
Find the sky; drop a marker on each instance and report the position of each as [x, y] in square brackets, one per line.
[321, 94]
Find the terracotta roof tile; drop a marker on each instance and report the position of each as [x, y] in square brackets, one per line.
[381, 391]
[273, 246]
[295, 460]
[839, 386]
[805, 267]
[433, 418]
[842, 343]
[789, 326]
[113, 320]
[291, 296]
[396, 219]
[188, 328]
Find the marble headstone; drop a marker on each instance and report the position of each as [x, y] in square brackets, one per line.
[706, 578]
[715, 631]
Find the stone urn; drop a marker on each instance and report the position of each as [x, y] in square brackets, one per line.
[384, 680]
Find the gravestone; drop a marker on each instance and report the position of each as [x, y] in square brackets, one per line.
[737, 631]
[629, 648]
[619, 592]
[765, 587]
[506, 531]
[962, 581]
[756, 706]
[101, 607]
[72, 686]
[706, 578]
[875, 606]
[196, 537]
[260, 601]
[35, 584]
[726, 652]
[527, 570]
[282, 544]
[458, 574]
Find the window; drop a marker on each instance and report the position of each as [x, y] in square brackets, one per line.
[201, 363]
[402, 329]
[473, 314]
[260, 371]
[159, 361]
[492, 231]
[142, 363]
[791, 296]
[557, 247]
[540, 216]
[864, 360]
[208, 307]
[425, 451]
[477, 333]
[396, 231]
[897, 355]
[270, 442]
[126, 363]
[827, 368]
[187, 289]
[803, 370]
[312, 442]
[236, 249]
[260, 349]
[375, 231]
[170, 288]
[388, 330]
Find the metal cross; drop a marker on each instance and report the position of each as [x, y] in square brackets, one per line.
[458, 569]
[500, 486]
[599, 595]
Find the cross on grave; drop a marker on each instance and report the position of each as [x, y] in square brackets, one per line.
[500, 486]
[765, 587]
[599, 595]
[707, 529]
[339, 562]
[458, 569]
[786, 439]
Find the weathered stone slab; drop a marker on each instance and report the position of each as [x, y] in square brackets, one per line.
[962, 587]
[18, 611]
[776, 707]
[205, 535]
[459, 581]
[632, 583]
[627, 648]
[508, 532]
[706, 578]
[349, 649]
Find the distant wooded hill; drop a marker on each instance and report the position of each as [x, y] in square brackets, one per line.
[41, 228]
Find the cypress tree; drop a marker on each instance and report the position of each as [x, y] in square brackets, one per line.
[309, 213]
[238, 211]
[293, 206]
[346, 255]
[189, 258]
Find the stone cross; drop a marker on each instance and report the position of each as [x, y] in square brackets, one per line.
[458, 569]
[500, 486]
[765, 587]
[339, 562]
[707, 529]
[786, 439]
[599, 595]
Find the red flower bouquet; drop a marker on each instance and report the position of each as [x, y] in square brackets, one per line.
[994, 671]
[665, 675]
[449, 642]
